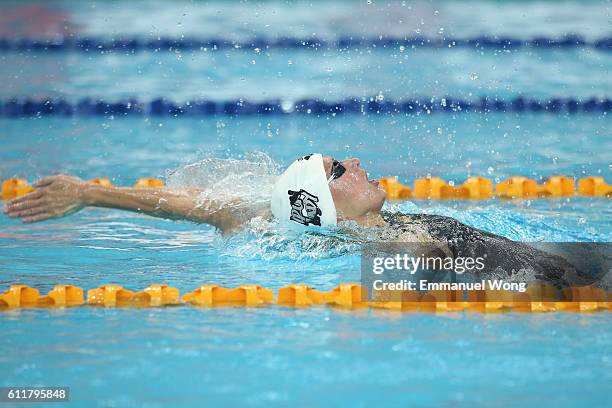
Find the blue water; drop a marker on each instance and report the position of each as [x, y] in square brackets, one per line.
[331, 74]
[318, 357]
[186, 356]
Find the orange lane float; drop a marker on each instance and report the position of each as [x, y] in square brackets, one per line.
[583, 299]
[523, 187]
[515, 187]
[299, 295]
[539, 297]
[443, 301]
[15, 187]
[117, 296]
[148, 182]
[102, 181]
[594, 187]
[348, 295]
[245, 295]
[62, 296]
[156, 295]
[475, 188]
[345, 295]
[428, 188]
[20, 296]
[434, 188]
[489, 301]
[108, 295]
[395, 190]
[413, 301]
[558, 186]
[479, 188]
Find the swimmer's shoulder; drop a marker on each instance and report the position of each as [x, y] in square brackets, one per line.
[399, 219]
[438, 226]
[239, 220]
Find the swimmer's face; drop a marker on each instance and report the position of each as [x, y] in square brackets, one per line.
[353, 193]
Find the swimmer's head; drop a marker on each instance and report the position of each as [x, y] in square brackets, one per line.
[354, 194]
[319, 190]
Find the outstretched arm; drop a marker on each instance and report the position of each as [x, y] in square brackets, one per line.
[58, 196]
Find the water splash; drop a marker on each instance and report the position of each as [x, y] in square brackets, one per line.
[238, 182]
[265, 239]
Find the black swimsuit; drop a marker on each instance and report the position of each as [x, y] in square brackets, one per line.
[507, 255]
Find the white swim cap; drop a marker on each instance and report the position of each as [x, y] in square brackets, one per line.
[301, 195]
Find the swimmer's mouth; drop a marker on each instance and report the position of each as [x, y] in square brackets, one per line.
[372, 182]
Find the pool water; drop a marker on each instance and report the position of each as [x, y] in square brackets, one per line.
[186, 356]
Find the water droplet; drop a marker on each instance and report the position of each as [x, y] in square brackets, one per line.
[473, 76]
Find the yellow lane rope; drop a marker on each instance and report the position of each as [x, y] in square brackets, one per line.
[537, 298]
[429, 188]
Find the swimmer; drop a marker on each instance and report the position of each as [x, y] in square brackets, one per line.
[314, 191]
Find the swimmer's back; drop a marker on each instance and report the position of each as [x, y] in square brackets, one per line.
[511, 258]
[439, 227]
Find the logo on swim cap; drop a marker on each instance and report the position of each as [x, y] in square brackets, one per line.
[304, 208]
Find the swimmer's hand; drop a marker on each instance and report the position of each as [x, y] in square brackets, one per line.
[53, 197]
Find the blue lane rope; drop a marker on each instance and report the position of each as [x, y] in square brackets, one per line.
[162, 107]
[172, 44]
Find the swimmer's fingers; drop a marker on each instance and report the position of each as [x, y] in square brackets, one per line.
[30, 196]
[26, 201]
[43, 211]
[28, 212]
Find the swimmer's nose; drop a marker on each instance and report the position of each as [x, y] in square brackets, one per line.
[354, 162]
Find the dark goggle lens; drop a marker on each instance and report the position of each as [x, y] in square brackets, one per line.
[337, 169]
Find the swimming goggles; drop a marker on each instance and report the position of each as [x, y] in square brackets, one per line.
[337, 170]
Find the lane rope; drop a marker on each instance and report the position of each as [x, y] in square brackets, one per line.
[537, 298]
[428, 188]
[102, 45]
[27, 107]
[483, 188]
